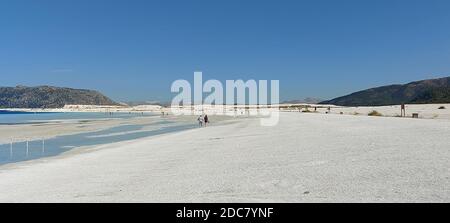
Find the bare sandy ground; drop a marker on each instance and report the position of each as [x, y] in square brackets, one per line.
[55, 128]
[428, 111]
[305, 158]
[64, 127]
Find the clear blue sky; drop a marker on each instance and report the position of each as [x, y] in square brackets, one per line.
[133, 50]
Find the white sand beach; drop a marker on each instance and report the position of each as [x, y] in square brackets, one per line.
[427, 111]
[52, 128]
[307, 157]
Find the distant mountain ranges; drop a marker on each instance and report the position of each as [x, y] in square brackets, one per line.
[49, 97]
[308, 100]
[418, 92]
[136, 103]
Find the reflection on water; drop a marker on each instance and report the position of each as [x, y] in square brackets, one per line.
[22, 151]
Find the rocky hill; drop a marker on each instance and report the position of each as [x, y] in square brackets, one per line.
[418, 92]
[49, 97]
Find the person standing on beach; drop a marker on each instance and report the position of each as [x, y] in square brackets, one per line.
[206, 119]
[200, 120]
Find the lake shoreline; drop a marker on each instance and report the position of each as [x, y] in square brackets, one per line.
[26, 142]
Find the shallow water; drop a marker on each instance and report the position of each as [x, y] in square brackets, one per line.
[11, 118]
[22, 151]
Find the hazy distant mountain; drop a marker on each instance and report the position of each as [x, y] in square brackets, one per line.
[419, 92]
[49, 97]
[135, 103]
[308, 100]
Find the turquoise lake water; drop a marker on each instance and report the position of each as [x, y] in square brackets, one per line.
[12, 118]
[22, 151]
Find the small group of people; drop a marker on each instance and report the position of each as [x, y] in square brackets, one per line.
[202, 120]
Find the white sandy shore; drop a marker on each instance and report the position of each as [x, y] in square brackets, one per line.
[428, 111]
[53, 128]
[306, 158]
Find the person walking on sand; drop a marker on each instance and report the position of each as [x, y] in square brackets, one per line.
[206, 119]
[200, 120]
